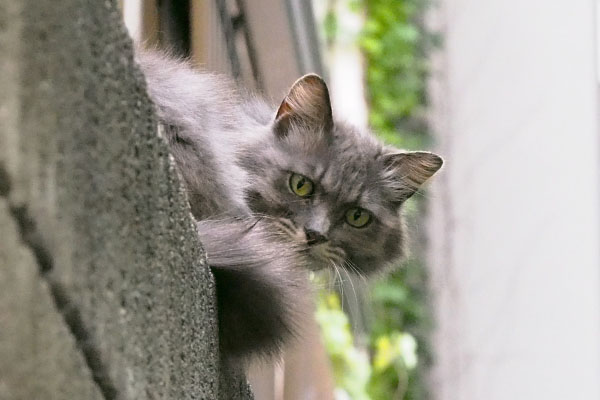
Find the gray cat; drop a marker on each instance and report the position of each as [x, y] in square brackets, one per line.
[279, 191]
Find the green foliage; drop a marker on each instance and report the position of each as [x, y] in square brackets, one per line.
[399, 305]
[330, 25]
[394, 45]
[391, 365]
[351, 367]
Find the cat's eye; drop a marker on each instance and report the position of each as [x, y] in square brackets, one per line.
[301, 185]
[358, 217]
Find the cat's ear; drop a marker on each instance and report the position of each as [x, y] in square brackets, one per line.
[405, 172]
[307, 104]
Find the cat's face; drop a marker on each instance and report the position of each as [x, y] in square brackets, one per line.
[336, 190]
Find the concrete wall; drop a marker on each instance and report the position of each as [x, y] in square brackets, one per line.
[104, 293]
[515, 223]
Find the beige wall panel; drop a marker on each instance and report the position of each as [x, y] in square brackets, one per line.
[515, 222]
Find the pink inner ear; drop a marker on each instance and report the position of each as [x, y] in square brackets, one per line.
[307, 103]
[284, 109]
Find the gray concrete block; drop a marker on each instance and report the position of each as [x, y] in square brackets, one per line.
[39, 358]
[104, 212]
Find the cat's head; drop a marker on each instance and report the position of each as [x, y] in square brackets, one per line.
[331, 186]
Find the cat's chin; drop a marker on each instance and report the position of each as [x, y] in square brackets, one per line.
[320, 257]
[317, 263]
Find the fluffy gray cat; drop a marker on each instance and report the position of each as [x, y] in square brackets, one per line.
[277, 191]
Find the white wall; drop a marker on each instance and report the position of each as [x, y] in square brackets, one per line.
[515, 222]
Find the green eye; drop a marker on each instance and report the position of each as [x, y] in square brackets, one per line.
[301, 185]
[358, 217]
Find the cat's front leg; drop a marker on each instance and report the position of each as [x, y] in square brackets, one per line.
[263, 293]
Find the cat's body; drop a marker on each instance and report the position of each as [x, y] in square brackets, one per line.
[203, 111]
[278, 191]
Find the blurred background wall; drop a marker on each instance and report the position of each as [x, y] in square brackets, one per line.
[263, 44]
[515, 220]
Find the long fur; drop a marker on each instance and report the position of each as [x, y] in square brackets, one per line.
[262, 289]
[237, 154]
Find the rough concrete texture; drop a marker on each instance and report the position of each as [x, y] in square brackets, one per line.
[103, 283]
[35, 343]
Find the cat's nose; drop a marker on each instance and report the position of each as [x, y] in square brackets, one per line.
[314, 237]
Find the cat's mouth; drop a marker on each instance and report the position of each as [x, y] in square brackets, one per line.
[325, 256]
[321, 253]
[316, 257]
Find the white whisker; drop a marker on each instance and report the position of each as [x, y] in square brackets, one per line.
[352, 286]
